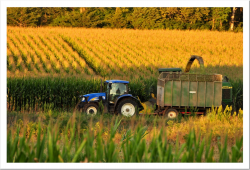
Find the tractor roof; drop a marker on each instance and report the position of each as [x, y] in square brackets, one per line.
[117, 81]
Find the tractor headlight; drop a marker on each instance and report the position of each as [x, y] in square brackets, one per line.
[83, 99]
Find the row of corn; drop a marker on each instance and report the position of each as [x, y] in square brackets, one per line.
[30, 93]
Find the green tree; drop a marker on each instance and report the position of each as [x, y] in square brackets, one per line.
[169, 15]
[192, 18]
[146, 18]
[94, 17]
[121, 17]
[48, 14]
[220, 16]
[118, 19]
[70, 19]
[22, 16]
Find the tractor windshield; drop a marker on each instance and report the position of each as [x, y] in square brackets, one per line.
[117, 89]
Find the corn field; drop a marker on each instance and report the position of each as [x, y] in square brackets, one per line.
[119, 53]
[31, 93]
[49, 68]
[141, 142]
[34, 93]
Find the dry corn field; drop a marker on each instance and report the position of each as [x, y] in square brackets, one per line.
[119, 53]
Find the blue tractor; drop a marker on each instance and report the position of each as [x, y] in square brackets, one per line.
[115, 98]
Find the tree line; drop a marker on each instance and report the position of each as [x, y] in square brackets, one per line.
[190, 18]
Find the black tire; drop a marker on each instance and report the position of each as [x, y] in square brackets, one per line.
[91, 109]
[127, 107]
[171, 114]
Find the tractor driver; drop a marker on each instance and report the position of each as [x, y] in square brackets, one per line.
[117, 90]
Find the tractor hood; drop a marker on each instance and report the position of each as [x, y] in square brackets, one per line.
[93, 97]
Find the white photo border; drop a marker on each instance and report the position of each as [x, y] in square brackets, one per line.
[128, 3]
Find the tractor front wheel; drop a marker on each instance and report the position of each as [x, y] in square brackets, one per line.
[127, 107]
[91, 109]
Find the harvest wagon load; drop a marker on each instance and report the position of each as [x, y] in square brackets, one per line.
[189, 77]
[186, 90]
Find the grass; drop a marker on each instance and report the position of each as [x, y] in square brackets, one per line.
[67, 137]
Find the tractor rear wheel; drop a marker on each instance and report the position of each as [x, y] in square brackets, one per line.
[127, 107]
[91, 109]
[171, 114]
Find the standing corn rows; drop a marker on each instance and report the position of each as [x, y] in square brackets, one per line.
[81, 64]
[130, 50]
[143, 54]
[29, 53]
[89, 60]
[123, 54]
[102, 62]
[111, 54]
[23, 53]
[9, 64]
[14, 53]
[117, 54]
[71, 62]
[38, 54]
[107, 60]
[35, 93]
[47, 54]
[57, 56]
[61, 93]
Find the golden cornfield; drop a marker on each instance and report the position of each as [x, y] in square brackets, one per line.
[119, 53]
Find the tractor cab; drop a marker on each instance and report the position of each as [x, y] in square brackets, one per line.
[114, 89]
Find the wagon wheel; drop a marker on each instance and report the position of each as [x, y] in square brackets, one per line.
[171, 114]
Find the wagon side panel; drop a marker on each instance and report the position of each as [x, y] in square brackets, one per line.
[184, 93]
[218, 94]
[201, 94]
[209, 93]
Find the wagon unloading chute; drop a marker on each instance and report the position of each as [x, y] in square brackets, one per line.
[191, 60]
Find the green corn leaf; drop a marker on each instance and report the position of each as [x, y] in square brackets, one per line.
[41, 150]
[177, 155]
[22, 157]
[79, 151]
[159, 149]
[184, 157]
[38, 145]
[200, 152]
[210, 156]
[208, 146]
